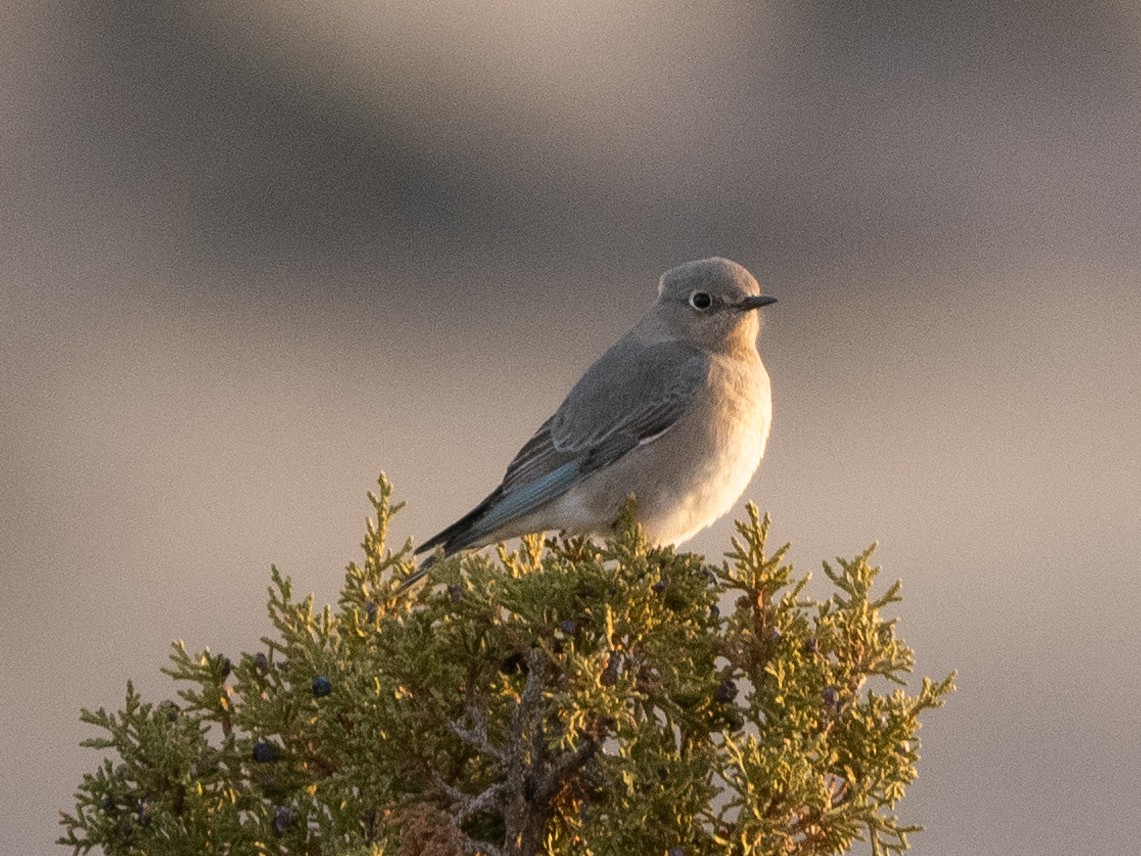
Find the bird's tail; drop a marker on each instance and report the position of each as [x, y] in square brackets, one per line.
[464, 532]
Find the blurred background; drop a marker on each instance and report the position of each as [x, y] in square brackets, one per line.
[254, 253]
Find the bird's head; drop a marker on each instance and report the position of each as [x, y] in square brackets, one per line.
[711, 303]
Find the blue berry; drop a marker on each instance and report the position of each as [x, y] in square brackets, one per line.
[264, 752]
[774, 635]
[569, 627]
[831, 696]
[811, 646]
[282, 819]
[261, 661]
[322, 686]
[455, 592]
[660, 586]
[370, 609]
[727, 691]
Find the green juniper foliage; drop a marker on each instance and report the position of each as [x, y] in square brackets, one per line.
[568, 698]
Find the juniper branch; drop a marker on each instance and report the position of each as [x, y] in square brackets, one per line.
[477, 705]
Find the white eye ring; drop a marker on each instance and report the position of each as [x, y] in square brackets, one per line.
[700, 300]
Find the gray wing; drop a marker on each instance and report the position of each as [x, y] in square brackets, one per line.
[631, 396]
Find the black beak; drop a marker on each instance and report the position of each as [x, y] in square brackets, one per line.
[754, 302]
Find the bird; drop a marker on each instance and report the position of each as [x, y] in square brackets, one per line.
[676, 414]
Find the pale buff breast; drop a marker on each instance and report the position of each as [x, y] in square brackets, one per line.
[716, 454]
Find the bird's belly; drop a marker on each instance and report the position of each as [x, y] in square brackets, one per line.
[700, 488]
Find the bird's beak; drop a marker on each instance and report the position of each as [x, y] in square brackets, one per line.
[754, 302]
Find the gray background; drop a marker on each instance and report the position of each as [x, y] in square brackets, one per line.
[252, 253]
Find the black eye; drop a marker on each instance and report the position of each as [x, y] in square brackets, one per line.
[700, 300]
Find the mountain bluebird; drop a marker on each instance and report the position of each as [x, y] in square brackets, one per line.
[676, 413]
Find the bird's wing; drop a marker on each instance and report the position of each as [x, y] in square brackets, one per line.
[631, 396]
[634, 389]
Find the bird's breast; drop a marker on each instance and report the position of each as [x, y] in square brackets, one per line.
[711, 454]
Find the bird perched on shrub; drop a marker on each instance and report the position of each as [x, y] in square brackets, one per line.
[675, 413]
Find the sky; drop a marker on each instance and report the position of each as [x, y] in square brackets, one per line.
[253, 254]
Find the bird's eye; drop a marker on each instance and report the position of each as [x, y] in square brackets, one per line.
[700, 300]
